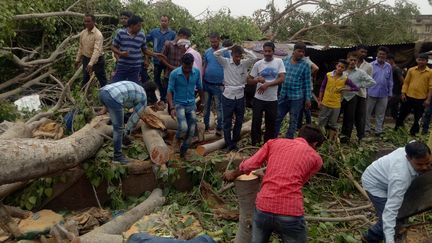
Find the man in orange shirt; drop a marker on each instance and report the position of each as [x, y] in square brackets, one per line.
[416, 93]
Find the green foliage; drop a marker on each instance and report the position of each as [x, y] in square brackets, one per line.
[8, 112]
[34, 195]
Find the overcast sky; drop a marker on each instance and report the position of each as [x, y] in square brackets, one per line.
[247, 7]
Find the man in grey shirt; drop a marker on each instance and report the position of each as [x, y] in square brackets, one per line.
[386, 180]
[233, 102]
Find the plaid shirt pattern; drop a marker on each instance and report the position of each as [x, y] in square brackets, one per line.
[174, 53]
[130, 95]
[297, 84]
[290, 164]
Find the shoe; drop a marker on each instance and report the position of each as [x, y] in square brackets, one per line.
[379, 134]
[344, 140]
[219, 132]
[120, 160]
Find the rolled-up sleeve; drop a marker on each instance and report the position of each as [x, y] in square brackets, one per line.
[256, 160]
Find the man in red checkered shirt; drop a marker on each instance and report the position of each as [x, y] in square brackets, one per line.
[279, 204]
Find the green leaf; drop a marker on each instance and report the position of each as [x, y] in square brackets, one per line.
[48, 192]
[32, 200]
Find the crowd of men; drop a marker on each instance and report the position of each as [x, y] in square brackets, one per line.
[356, 88]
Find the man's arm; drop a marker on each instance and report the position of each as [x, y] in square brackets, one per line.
[322, 90]
[249, 57]
[97, 50]
[406, 85]
[254, 78]
[170, 90]
[219, 56]
[366, 80]
[277, 81]
[308, 87]
[135, 117]
[250, 164]
[390, 83]
[395, 195]
[199, 87]
[352, 86]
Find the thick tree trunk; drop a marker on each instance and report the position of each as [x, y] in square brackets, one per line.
[219, 144]
[246, 188]
[25, 159]
[156, 146]
[111, 231]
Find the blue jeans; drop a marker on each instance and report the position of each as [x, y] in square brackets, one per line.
[294, 107]
[157, 71]
[115, 110]
[291, 229]
[230, 109]
[308, 116]
[124, 72]
[210, 91]
[186, 123]
[375, 233]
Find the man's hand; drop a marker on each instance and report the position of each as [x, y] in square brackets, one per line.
[319, 104]
[103, 111]
[426, 103]
[173, 113]
[89, 69]
[260, 79]
[231, 175]
[403, 97]
[262, 88]
[124, 54]
[308, 104]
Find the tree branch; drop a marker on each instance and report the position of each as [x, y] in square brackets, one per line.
[18, 90]
[53, 14]
[73, 5]
[22, 77]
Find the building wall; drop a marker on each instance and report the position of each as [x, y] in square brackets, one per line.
[422, 26]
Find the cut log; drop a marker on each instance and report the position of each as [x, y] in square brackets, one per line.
[156, 146]
[25, 159]
[7, 189]
[152, 119]
[219, 144]
[111, 231]
[246, 187]
[7, 224]
[20, 129]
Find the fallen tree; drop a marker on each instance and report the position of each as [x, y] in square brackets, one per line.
[25, 159]
[111, 231]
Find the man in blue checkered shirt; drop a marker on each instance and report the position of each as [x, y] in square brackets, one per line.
[296, 89]
[116, 97]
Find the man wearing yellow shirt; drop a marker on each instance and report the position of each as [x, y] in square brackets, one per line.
[330, 96]
[416, 93]
[90, 51]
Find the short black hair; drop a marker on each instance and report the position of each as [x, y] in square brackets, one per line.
[185, 31]
[165, 15]
[391, 56]
[417, 150]
[227, 43]
[312, 134]
[352, 54]
[343, 61]
[300, 45]
[269, 44]
[135, 19]
[237, 49]
[187, 59]
[126, 13]
[423, 56]
[214, 35]
[93, 18]
[384, 49]
[361, 46]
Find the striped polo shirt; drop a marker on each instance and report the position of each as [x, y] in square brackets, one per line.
[133, 45]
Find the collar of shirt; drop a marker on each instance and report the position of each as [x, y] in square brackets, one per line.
[301, 140]
[288, 60]
[427, 69]
[411, 169]
[376, 63]
[193, 72]
[333, 74]
[92, 30]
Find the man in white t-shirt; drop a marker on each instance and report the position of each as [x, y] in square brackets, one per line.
[267, 74]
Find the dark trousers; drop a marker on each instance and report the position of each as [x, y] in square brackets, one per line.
[393, 106]
[129, 73]
[291, 229]
[411, 105]
[98, 68]
[231, 108]
[270, 113]
[375, 233]
[426, 119]
[308, 117]
[293, 107]
[157, 72]
[354, 113]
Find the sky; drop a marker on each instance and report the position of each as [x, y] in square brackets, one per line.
[247, 7]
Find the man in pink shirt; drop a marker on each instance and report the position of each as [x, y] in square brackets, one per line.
[279, 204]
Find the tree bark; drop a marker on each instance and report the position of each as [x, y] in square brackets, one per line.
[156, 146]
[111, 231]
[25, 86]
[20, 130]
[247, 188]
[219, 144]
[25, 159]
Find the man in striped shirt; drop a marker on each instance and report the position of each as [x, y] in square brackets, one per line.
[279, 204]
[130, 45]
[116, 97]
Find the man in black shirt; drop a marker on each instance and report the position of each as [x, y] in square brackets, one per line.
[394, 102]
